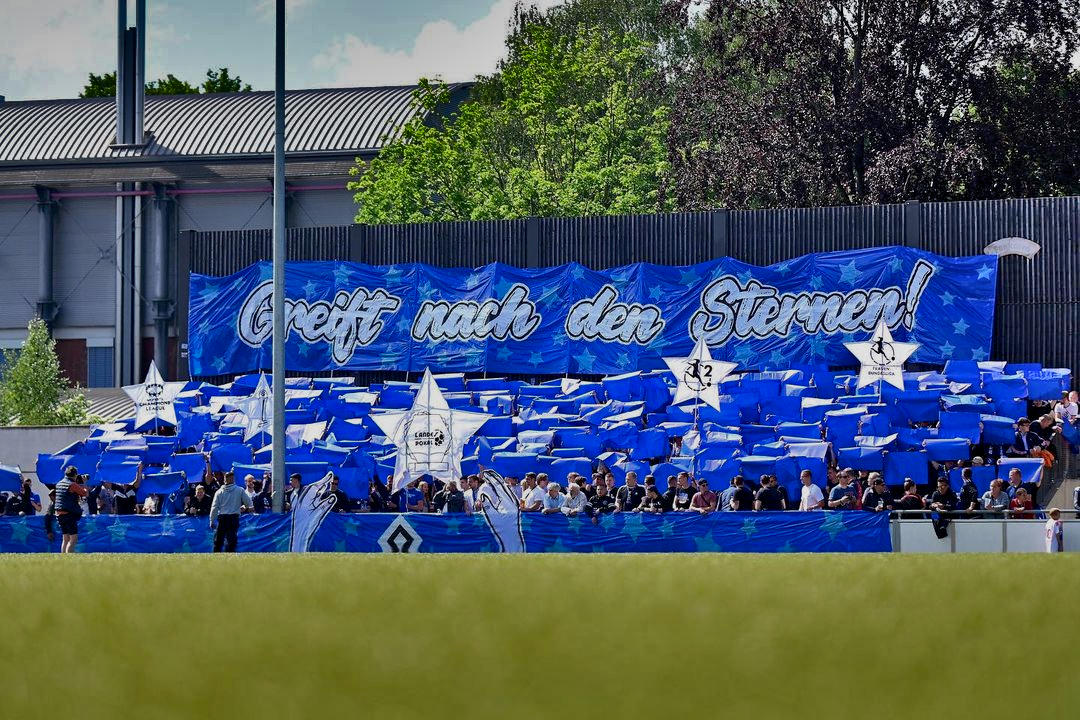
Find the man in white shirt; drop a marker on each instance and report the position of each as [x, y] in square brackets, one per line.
[1065, 410]
[575, 502]
[532, 497]
[1055, 539]
[812, 498]
[554, 500]
[472, 494]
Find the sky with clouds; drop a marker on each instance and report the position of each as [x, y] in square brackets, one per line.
[47, 47]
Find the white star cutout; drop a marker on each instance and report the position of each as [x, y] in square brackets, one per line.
[699, 376]
[154, 398]
[881, 358]
[960, 327]
[258, 410]
[430, 437]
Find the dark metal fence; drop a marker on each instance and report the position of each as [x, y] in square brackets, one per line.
[1038, 309]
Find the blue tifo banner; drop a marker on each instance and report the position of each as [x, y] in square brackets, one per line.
[416, 532]
[570, 319]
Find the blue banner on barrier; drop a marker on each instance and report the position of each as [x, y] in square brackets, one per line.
[417, 532]
[572, 319]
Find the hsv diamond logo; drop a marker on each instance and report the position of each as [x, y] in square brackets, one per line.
[400, 537]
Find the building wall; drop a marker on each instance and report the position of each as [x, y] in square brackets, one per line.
[233, 211]
[84, 262]
[18, 263]
[319, 208]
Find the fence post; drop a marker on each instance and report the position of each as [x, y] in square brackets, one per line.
[719, 228]
[913, 224]
[532, 242]
[357, 236]
[183, 273]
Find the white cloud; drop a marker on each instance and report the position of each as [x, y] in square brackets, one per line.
[441, 49]
[48, 48]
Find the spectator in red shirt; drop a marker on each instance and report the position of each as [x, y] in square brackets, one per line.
[1020, 506]
[704, 500]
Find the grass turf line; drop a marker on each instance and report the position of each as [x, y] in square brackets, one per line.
[702, 635]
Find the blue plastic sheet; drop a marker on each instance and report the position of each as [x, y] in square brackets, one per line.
[960, 425]
[223, 457]
[862, 458]
[998, 430]
[980, 475]
[1031, 469]
[901, 465]
[160, 484]
[943, 449]
[10, 479]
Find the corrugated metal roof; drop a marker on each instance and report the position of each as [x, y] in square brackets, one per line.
[109, 404]
[348, 120]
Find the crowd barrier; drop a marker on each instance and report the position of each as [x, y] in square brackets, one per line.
[988, 535]
[630, 532]
[418, 532]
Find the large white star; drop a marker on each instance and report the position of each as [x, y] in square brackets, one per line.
[154, 398]
[258, 410]
[881, 358]
[699, 376]
[430, 437]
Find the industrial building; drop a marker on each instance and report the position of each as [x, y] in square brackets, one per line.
[91, 208]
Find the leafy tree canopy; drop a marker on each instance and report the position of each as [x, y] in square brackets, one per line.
[33, 390]
[217, 81]
[573, 122]
[824, 102]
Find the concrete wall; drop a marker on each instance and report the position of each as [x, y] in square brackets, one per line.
[20, 446]
[982, 536]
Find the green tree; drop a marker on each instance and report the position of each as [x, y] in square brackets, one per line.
[838, 102]
[220, 81]
[33, 389]
[217, 81]
[103, 85]
[171, 85]
[573, 122]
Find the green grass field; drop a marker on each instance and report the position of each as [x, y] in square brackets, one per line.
[567, 636]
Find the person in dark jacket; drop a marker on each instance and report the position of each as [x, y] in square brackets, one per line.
[878, 497]
[969, 501]
[68, 510]
[943, 501]
[50, 518]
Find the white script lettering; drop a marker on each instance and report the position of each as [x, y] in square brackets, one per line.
[351, 320]
[731, 310]
[601, 317]
[513, 317]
